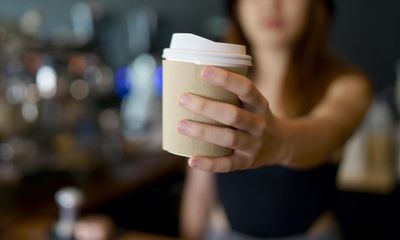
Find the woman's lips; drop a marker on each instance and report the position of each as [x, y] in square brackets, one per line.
[274, 24]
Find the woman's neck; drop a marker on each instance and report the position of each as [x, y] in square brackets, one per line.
[271, 64]
[270, 70]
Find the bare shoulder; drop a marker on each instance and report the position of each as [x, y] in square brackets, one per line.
[351, 85]
[343, 78]
[347, 97]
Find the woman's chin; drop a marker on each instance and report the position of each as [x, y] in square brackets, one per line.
[272, 42]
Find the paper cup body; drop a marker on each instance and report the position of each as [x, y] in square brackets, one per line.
[182, 67]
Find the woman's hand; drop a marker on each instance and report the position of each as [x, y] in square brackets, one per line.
[254, 138]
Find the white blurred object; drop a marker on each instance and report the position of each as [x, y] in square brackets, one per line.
[136, 106]
[368, 160]
[141, 25]
[46, 81]
[82, 23]
[30, 22]
[353, 167]
[15, 92]
[69, 200]
[29, 112]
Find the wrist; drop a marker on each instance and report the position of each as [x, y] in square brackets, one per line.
[284, 153]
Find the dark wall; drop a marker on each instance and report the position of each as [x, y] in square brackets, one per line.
[367, 32]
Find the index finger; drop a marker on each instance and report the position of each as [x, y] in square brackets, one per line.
[237, 84]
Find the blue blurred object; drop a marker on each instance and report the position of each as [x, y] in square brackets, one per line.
[158, 80]
[122, 82]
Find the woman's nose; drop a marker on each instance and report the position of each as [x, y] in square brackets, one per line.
[271, 5]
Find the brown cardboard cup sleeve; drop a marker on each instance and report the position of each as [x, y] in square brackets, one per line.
[184, 77]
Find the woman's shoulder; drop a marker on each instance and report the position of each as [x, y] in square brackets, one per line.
[340, 80]
[345, 77]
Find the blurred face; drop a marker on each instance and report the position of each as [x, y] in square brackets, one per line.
[277, 23]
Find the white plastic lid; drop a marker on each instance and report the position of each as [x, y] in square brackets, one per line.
[191, 48]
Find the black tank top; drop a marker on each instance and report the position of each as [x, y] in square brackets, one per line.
[276, 201]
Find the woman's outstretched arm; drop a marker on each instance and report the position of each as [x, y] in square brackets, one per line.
[311, 139]
[259, 138]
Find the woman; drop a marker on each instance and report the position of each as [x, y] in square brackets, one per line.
[300, 106]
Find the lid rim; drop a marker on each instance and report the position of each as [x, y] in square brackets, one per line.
[170, 51]
[210, 60]
[210, 63]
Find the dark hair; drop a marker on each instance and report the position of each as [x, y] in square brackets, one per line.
[331, 7]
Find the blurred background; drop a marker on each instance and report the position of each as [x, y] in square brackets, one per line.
[80, 116]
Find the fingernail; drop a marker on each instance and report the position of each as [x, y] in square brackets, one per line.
[183, 127]
[208, 72]
[194, 162]
[184, 99]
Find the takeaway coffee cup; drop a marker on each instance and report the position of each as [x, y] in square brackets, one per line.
[182, 64]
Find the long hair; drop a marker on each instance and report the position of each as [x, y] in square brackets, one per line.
[310, 67]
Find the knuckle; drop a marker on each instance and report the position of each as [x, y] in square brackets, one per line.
[263, 126]
[213, 167]
[234, 116]
[224, 77]
[228, 166]
[199, 131]
[247, 88]
[201, 106]
[233, 140]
